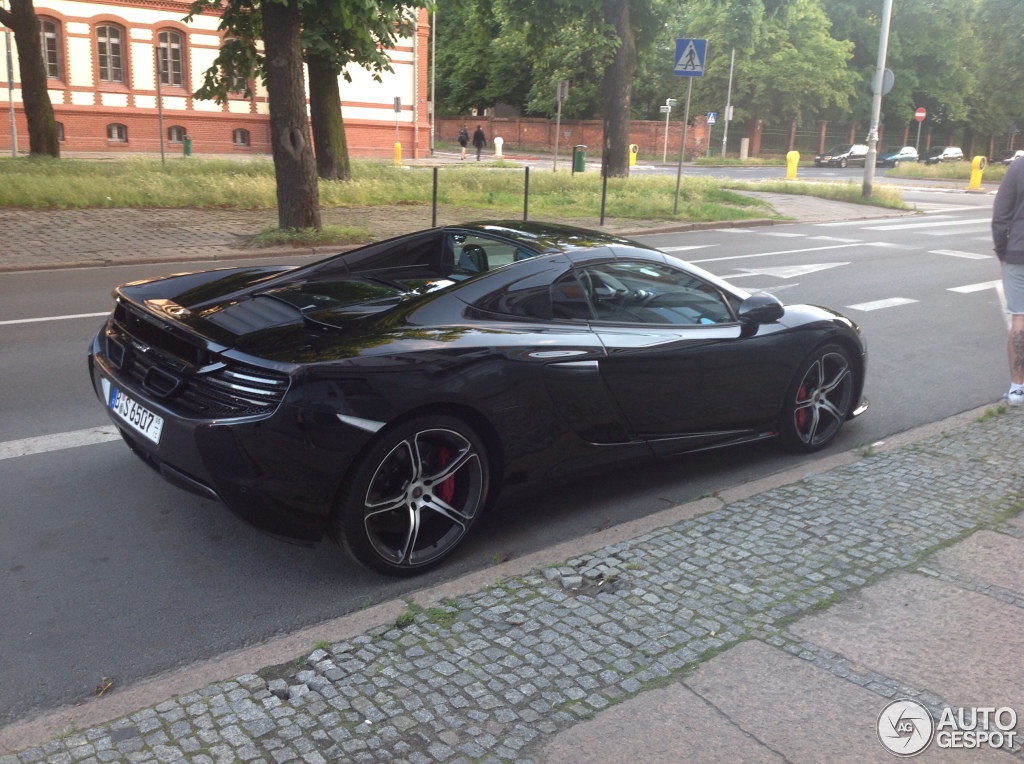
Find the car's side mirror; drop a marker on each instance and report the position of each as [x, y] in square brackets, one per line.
[761, 308]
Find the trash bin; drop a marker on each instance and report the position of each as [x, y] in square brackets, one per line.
[579, 158]
[633, 151]
[186, 146]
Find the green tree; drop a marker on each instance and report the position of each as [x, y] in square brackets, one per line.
[788, 67]
[42, 129]
[279, 24]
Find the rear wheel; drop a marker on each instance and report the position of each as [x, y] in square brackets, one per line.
[414, 496]
[819, 399]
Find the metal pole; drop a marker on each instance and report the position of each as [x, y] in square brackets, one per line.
[433, 214]
[664, 152]
[433, 79]
[558, 129]
[728, 104]
[526, 195]
[10, 94]
[876, 102]
[682, 147]
[604, 190]
[159, 102]
[917, 146]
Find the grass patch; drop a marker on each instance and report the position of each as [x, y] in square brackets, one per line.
[495, 186]
[441, 616]
[992, 412]
[946, 171]
[881, 196]
[409, 616]
[329, 234]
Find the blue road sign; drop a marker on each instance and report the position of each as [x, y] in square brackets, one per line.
[712, 117]
[690, 57]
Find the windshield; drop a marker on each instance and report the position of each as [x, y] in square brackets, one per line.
[839, 149]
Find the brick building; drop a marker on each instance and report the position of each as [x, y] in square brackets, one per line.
[101, 60]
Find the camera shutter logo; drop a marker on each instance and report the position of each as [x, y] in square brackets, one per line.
[905, 727]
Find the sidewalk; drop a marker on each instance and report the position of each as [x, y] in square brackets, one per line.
[770, 623]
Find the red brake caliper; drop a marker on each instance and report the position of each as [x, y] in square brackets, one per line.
[446, 490]
[801, 414]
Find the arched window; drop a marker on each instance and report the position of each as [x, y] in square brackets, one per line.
[176, 134]
[108, 46]
[60, 130]
[49, 42]
[170, 57]
[117, 133]
[241, 137]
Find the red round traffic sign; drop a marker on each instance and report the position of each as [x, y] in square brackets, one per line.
[920, 114]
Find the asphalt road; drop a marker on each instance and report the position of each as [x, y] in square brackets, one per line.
[106, 571]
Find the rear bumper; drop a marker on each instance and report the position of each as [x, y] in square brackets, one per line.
[279, 472]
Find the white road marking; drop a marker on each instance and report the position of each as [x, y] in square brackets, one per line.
[892, 302]
[956, 253]
[947, 208]
[977, 287]
[734, 230]
[53, 318]
[958, 232]
[58, 441]
[833, 238]
[782, 252]
[908, 226]
[783, 234]
[791, 271]
[683, 249]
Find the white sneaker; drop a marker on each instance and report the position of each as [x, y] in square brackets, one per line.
[1015, 397]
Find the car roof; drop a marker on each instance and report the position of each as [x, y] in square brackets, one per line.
[546, 237]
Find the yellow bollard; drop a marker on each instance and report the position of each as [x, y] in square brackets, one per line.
[978, 165]
[398, 154]
[633, 151]
[792, 160]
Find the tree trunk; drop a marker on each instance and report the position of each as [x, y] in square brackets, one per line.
[328, 127]
[42, 129]
[298, 197]
[618, 91]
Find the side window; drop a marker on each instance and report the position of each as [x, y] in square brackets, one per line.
[108, 43]
[49, 41]
[472, 254]
[169, 56]
[537, 298]
[637, 292]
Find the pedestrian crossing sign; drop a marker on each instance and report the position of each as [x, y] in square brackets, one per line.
[690, 57]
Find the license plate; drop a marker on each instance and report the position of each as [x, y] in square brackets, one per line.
[135, 415]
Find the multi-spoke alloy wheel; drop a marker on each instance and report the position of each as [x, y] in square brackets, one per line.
[819, 400]
[415, 495]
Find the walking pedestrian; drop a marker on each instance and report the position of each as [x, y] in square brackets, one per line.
[463, 140]
[479, 140]
[1008, 237]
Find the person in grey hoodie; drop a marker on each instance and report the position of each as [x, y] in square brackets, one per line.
[1008, 236]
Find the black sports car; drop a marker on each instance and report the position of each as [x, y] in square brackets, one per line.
[384, 396]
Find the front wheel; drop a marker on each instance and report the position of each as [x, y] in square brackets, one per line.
[842, 163]
[895, 163]
[818, 400]
[414, 496]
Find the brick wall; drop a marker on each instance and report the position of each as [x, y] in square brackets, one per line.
[525, 134]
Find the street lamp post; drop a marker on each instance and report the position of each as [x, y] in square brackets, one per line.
[876, 101]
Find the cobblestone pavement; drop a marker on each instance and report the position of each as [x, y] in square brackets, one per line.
[493, 676]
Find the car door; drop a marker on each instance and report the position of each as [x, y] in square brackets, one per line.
[545, 331]
[679, 365]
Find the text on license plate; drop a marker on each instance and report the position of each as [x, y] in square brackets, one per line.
[136, 415]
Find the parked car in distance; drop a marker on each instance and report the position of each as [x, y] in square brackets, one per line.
[892, 156]
[1007, 158]
[842, 155]
[384, 397]
[943, 154]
